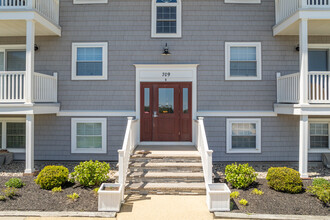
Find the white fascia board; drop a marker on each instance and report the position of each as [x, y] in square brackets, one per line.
[87, 113]
[236, 114]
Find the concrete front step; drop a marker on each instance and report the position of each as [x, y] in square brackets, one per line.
[166, 159]
[165, 167]
[144, 188]
[164, 177]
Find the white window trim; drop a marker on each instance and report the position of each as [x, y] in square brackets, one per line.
[104, 46]
[74, 149]
[4, 48]
[228, 45]
[4, 122]
[80, 2]
[244, 1]
[178, 33]
[321, 121]
[230, 121]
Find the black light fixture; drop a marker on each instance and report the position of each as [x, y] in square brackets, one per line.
[165, 50]
[297, 48]
[36, 47]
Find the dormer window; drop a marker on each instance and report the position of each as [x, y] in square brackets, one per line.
[166, 18]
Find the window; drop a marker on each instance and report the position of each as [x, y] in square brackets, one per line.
[243, 135]
[166, 18]
[12, 58]
[319, 135]
[88, 135]
[89, 61]
[244, 1]
[243, 61]
[12, 134]
[89, 1]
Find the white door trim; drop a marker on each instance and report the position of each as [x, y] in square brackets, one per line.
[166, 73]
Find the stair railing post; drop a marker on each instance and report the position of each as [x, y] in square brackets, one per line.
[121, 171]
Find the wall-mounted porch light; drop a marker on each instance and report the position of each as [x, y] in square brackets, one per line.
[166, 51]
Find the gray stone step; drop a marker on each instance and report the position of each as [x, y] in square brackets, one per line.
[164, 177]
[166, 188]
[165, 167]
[158, 158]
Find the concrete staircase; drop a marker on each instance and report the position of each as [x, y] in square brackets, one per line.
[165, 170]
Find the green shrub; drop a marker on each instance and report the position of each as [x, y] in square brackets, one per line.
[90, 173]
[10, 192]
[15, 182]
[96, 191]
[243, 202]
[234, 195]
[240, 176]
[284, 179]
[257, 192]
[57, 189]
[73, 196]
[321, 189]
[2, 198]
[52, 176]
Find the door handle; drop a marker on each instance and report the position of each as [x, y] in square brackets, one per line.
[155, 114]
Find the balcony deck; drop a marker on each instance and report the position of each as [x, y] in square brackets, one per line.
[13, 14]
[289, 12]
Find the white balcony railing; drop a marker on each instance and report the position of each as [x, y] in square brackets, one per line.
[318, 88]
[13, 86]
[286, 8]
[48, 8]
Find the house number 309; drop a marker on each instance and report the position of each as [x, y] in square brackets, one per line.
[166, 74]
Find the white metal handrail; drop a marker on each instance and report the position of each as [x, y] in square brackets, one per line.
[13, 87]
[48, 8]
[288, 88]
[318, 87]
[285, 8]
[45, 88]
[203, 149]
[129, 144]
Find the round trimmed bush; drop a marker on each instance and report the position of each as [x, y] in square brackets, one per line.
[52, 176]
[90, 173]
[284, 179]
[240, 176]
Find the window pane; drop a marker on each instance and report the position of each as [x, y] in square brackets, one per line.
[319, 135]
[185, 100]
[89, 129]
[89, 54]
[146, 100]
[243, 53]
[244, 142]
[2, 60]
[166, 100]
[319, 142]
[15, 135]
[89, 141]
[89, 68]
[166, 1]
[243, 68]
[166, 20]
[318, 60]
[318, 129]
[15, 60]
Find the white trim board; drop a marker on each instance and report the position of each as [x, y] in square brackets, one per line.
[236, 114]
[165, 143]
[87, 113]
[24, 109]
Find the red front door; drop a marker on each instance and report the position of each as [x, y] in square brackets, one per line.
[166, 112]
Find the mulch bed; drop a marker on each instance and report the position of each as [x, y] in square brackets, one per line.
[273, 202]
[32, 198]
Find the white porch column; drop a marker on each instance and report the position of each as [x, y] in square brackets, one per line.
[303, 146]
[29, 155]
[30, 35]
[303, 52]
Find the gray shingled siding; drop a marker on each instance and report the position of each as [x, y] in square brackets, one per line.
[207, 25]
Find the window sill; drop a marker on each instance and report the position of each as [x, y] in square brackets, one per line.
[319, 151]
[80, 2]
[243, 151]
[89, 78]
[16, 150]
[230, 78]
[166, 35]
[89, 151]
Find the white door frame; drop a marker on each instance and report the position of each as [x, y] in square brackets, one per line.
[166, 73]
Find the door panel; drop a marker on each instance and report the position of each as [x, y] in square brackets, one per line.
[166, 113]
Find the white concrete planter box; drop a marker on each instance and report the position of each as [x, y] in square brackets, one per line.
[109, 201]
[218, 197]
